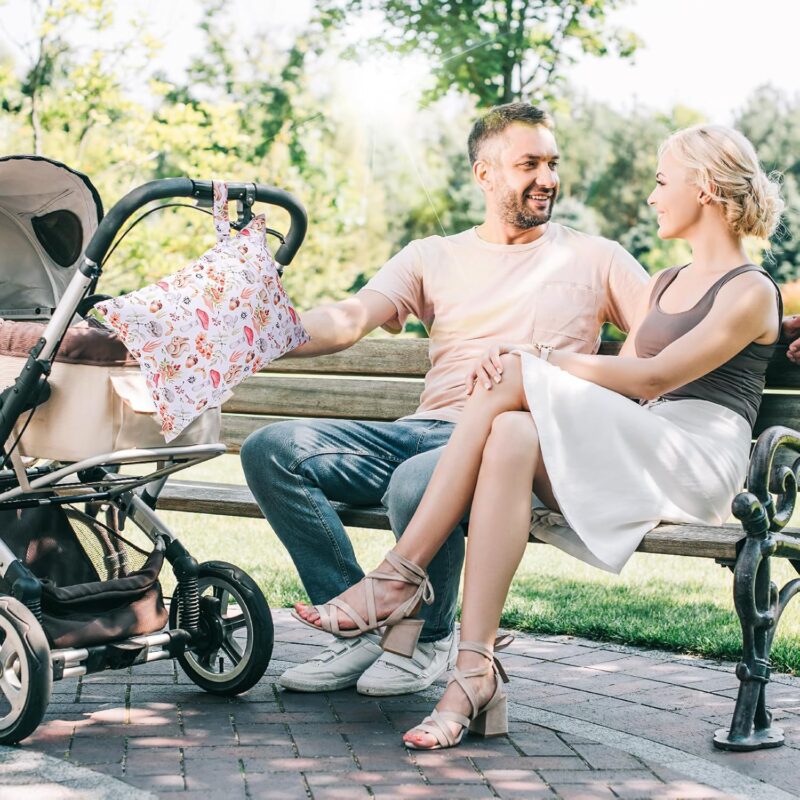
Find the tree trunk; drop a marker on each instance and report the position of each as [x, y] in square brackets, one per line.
[36, 126]
[508, 61]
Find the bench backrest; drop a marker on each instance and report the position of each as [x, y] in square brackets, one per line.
[381, 379]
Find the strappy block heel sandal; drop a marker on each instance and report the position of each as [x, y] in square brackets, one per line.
[488, 720]
[401, 633]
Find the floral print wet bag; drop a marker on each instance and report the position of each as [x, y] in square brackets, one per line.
[197, 334]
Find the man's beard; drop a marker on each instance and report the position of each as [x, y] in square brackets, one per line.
[515, 212]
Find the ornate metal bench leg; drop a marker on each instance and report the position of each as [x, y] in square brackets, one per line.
[756, 600]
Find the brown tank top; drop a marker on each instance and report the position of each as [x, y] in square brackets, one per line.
[737, 384]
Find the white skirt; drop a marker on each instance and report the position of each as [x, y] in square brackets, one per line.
[618, 469]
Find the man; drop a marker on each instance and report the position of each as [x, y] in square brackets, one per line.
[518, 277]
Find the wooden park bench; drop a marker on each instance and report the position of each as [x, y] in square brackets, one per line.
[380, 379]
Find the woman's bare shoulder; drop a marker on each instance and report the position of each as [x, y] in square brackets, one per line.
[755, 288]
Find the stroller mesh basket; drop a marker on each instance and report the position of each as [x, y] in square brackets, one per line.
[97, 586]
[112, 555]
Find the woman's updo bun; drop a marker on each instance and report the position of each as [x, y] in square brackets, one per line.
[723, 163]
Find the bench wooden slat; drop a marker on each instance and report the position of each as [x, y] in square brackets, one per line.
[782, 374]
[237, 501]
[409, 358]
[778, 409]
[309, 396]
[379, 357]
[291, 397]
[702, 541]
[237, 427]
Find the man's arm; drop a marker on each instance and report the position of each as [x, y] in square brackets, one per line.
[626, 284]
[337, 326]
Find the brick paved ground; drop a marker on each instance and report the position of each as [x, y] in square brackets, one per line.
[588, 721]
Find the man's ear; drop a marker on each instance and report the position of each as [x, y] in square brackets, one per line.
[482, 172]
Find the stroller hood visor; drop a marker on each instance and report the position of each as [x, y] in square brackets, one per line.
[48, 213]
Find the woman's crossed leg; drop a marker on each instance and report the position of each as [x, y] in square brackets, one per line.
[447, 497]
[498, 532]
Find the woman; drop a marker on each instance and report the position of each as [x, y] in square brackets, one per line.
[564, 423]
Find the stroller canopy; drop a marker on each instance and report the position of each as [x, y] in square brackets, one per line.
[48, 213]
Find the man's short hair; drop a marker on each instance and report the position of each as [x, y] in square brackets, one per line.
[497, 119]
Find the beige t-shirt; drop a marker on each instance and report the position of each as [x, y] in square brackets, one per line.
[468, 293]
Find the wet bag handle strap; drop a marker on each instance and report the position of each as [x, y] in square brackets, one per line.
[221, 221]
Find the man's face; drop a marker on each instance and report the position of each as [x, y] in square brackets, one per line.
[522, 168]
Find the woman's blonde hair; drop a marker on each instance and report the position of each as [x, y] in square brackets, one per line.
[723, 163]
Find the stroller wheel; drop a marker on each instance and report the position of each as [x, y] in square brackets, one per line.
[237, 628]
[26, 676]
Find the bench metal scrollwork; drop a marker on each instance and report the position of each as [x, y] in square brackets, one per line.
[764, 510]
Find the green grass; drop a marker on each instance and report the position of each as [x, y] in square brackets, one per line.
[679, 604]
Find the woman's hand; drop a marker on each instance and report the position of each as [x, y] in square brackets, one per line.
[488, 369]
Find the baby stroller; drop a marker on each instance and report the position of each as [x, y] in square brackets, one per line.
[79, 595]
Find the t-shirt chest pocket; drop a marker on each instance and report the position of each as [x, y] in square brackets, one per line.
[568, 310]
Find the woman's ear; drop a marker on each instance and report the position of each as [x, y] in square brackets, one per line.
[706, 196]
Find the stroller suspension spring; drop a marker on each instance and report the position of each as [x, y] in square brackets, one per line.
[186, 569]
[189, 597]
[35, 607]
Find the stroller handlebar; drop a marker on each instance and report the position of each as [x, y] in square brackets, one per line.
[184, 187]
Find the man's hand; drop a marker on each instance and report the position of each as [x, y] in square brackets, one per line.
[790, 332]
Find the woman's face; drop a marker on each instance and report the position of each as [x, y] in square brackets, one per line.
[675, 199]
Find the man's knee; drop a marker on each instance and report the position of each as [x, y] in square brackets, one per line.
[274, 447]
[406, 488]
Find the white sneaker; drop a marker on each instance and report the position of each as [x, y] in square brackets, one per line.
[338, 666]
[392, 674]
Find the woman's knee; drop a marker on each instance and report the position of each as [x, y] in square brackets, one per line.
[509, 393]
[513, 438]
[510, 362]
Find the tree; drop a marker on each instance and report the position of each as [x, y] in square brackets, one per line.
[53, 63]
[497, 51]
[772, 123]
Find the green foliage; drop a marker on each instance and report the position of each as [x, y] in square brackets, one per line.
[772, 122]
[224, 119]
[248, 109]
[496, 51]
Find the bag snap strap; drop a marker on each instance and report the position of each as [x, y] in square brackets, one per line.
[220, 210]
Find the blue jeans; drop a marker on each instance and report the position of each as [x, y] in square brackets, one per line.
[295, 469]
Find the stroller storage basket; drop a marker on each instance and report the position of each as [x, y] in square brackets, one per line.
[97, 586]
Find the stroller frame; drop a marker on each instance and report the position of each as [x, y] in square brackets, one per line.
[199, 627]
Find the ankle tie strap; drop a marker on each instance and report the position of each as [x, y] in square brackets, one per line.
[500, 643]
[408, 572]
